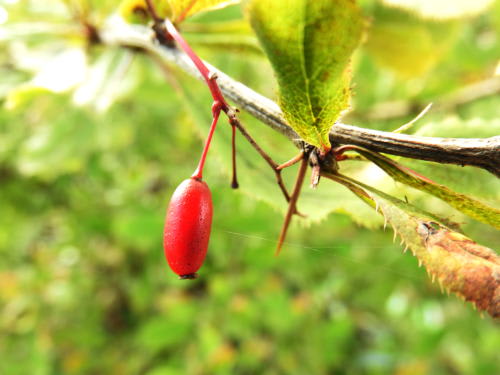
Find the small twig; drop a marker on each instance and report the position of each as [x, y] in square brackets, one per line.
[292, 161]
[265, 156]
[292, 205]
[467, 94]
[470, 93]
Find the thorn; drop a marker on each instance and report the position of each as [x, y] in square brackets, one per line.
[316, 169]
[440, 285]
[315, 174]
[420, 263]
[291, 162]
[394, 237]
[406, 126]
[292, 205]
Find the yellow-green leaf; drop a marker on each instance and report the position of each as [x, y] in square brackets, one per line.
[468, 205]
[309, 44]
[185, 8]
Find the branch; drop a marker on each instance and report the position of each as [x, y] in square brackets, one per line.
[479, 152]
[464, 95]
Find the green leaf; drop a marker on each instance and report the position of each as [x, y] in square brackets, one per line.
[461, 202]
[309, 44]
[460, 265]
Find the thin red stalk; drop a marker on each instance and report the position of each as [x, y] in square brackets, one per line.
[266, 157]
[211, 81]
[198, 173]
[234, 182]
[205, 73]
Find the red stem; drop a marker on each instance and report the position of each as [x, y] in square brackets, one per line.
[209, 78]
[198, 173]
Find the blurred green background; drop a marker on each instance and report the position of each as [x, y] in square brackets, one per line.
[93, 141]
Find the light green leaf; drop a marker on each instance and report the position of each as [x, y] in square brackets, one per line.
[226, 36]
[461, 202]
[392, 28]
[442, 9]
[309, 44]
[459, 264]
[228, 43]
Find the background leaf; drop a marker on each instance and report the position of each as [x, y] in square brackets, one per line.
[309, 46]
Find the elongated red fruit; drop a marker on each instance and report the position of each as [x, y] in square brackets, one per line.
[187, 227]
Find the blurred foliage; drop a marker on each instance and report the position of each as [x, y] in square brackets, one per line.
[93, 140]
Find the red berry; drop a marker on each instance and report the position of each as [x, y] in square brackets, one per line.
[187, 227]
